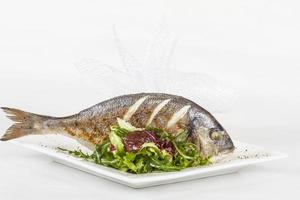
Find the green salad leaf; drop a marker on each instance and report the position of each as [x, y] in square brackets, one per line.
[116, 141]
[167, 153]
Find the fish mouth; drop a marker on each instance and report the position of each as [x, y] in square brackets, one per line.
[226, 151]
[208, 147]
[226, 146]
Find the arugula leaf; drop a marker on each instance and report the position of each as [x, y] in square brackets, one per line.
[182, 136]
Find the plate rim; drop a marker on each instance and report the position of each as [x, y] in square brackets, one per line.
[144, 180]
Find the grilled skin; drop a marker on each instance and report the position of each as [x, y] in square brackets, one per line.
[91, 126]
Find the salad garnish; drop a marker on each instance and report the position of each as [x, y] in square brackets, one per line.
[137, 150]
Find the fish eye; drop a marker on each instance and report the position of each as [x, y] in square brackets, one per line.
[215, 135]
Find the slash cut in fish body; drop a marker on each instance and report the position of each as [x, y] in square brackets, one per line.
[164, 111]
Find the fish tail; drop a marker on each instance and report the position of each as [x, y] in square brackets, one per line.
[25, 123]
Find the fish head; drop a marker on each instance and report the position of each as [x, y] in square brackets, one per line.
[221, 141]
[212, 140]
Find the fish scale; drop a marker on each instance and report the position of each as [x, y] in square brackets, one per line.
[91, 126]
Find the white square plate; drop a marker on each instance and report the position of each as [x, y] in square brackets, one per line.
[243, 155]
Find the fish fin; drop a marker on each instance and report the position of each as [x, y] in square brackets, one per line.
[25, 123]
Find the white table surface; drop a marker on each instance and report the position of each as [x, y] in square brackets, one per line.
[252, 46]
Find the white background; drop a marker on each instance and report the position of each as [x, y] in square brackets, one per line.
[252, 46]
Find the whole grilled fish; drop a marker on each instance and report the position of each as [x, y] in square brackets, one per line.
[91, 126]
